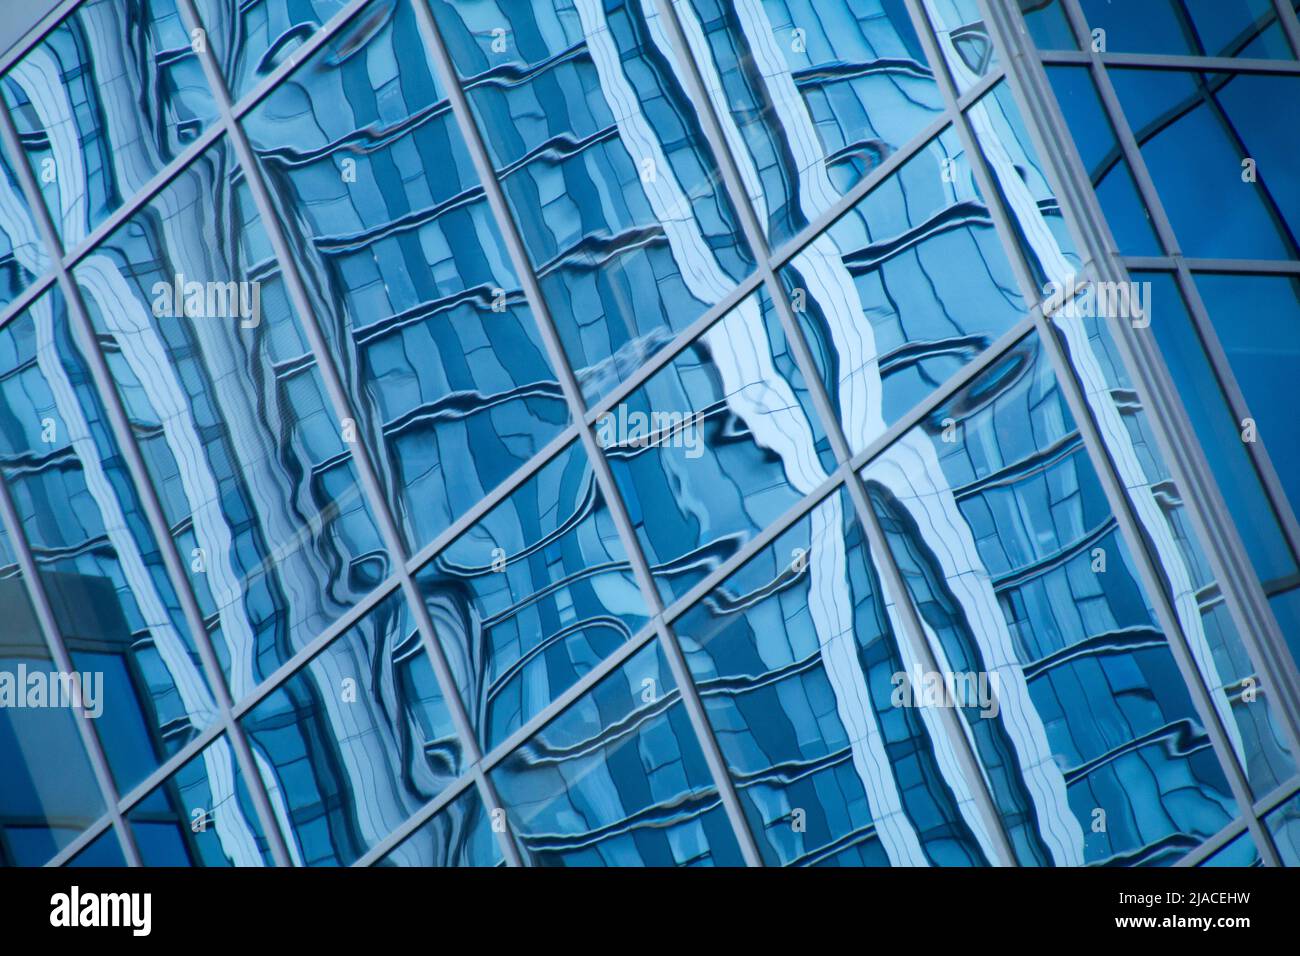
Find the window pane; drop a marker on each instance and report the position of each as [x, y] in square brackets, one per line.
[967, 47]
[618, 779]
[460, 834]
[1284, 824]
[1241, 851]
[22, 254]
[267, 33]
[1190, 27]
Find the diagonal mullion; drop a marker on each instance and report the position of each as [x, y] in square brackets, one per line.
[447, 75]
[35, 587]
[912, 627]
[342, 408]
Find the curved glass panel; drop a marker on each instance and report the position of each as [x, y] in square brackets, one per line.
[356, 741]
[603, 162]
[201, 816]
[797, 659]
[1240, 852]
[103, 573]
[538, 592]
[812, 96]
[106, 100]
[618, 779]
[406, 270]
[1007, 544]
[254, 472]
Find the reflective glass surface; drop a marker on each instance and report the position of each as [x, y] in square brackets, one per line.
[1192, 27]
[618, 779]
[1241, 851]
[406, 270]
[104, 850]
[1284, 824]
[1048, 24]
[796, 656]
[254, 471]
[251, 39]
[201, 816]
[356, 741]
[715, 447]
[460, 834]
[102, 570]
[22, 255]
[111, 95]
[967, 47]
[538, 592]
[605, 166]
[1007, 544]
[910, 285]
[813, 95]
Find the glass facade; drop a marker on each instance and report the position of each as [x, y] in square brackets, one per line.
[650, 433]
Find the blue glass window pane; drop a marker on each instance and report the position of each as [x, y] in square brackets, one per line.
[460, 834]
[253, 470]
[104, 575]
[1192, 27]
[1240, 851]
[605, 166]
[967, 47]
[795, 656]
[716, 446]
[618, 779]
[1284, 824]
[106, 100]
[538, 592]
[202, 815]
[1094, 138]
[812, 95]
[1217, 428]
[1048, 24]
[22, 254]
[357, 741]
[1001, 528]
[1195, 131]
[49, 794]
[905, 289]
[1286, 608]
[407, 271]
[267, 33]
[1257, 322]
[104, 850]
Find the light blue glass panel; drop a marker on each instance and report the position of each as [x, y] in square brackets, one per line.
[202, 815]
[357, 741]
[534, 595]
[22, 254]
[1240, 851]
[964, 40]
[460, 834]
[251, 39]
[605, 166]
[796, 657]
[618, 779]
[1284, 824]
[1007, 544]
[103, 103]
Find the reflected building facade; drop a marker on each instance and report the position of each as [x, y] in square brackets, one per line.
[559, 433]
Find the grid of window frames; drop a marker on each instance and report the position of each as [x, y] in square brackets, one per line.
[555, 433]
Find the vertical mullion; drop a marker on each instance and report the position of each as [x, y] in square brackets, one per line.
[342, 408]
[1286, 16]
[447, 75]
[63, 660]
[1095, 444]
[120, 426]
[912, 627]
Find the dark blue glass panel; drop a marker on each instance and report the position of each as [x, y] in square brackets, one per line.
[618, 779]
[357, 741]
[813, 95]
[1094, 138]
[1241, 851]
[1048, 25]
[460, 834]
[49, 795]
[265, 34]
[795, 657]
[1284, 824]
[1217, 428]
[1257, 322]
[406, 270]
[538, 592]
[104, 850]
[102, 570]
[1195, 131]
[905, 289]
[1286, 608]
[716, 446]
[202, 815]
[1195, 27]
[254, 472]
[1095, 753]
[604, 164]
[106, 100]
